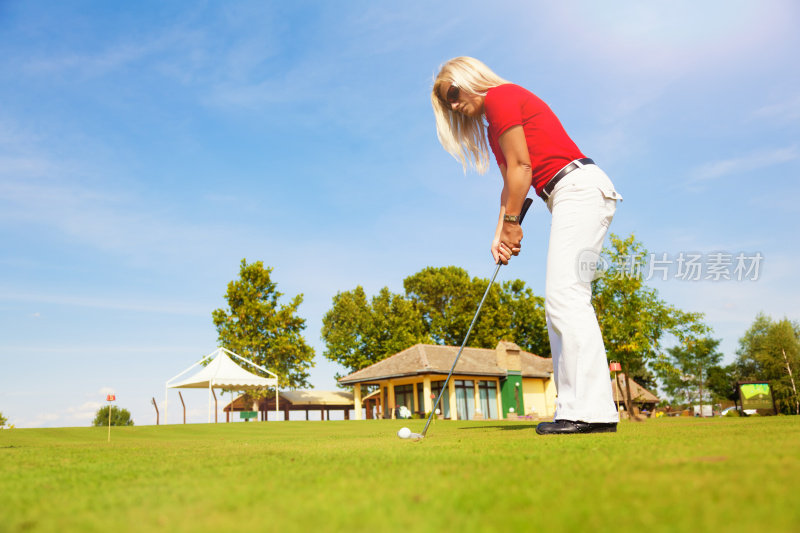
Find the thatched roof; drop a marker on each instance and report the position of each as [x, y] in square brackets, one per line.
[423, 359]
[638, 393]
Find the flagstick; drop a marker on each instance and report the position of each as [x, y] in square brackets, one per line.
[109, 422]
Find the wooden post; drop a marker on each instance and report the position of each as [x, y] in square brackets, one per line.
[156, 406]
[216, 414]
[791, 378]
[391, 402]
[427, 402]
[356, 402]
[451, 389]
[476, 395]
[184, 406]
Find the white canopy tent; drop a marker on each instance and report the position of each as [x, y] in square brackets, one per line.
[221, 373]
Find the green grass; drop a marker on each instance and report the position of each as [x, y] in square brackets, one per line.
[684, 474]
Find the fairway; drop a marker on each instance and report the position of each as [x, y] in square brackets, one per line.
[683, 474]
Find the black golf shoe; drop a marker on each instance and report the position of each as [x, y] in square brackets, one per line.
[568, 427]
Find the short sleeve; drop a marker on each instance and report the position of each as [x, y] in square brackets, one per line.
[503, 108]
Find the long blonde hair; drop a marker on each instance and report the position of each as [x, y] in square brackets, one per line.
[464, 137]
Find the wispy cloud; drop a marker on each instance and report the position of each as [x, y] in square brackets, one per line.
[787, 110]
[40, 192]
[111, 303]
[736, 165]
[111, 57]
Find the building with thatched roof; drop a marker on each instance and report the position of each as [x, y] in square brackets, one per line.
[641, 398]
[500, 383]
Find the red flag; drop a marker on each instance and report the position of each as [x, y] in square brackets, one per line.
[111, 398]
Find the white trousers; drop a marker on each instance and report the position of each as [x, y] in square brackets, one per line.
[582, 205]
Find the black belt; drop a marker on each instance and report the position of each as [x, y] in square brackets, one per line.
[548, 188]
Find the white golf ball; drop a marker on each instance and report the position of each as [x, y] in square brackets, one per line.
[404, 433]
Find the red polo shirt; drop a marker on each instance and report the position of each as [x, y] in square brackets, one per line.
[549, 146]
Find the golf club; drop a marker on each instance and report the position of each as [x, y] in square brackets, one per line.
[419, 436]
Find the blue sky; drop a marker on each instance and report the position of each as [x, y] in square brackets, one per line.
[146, 148]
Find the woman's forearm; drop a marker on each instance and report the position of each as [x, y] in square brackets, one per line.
[503, 199]
[517, 184]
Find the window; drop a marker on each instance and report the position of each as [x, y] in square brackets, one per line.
[404, 395]
[488, 398]
[465, 399]
[444, 403]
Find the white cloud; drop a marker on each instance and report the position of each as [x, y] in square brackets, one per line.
[120, 303]
[43, 192]
[111, 57]
[106, 390]
[786, 110]
[81, 415]
[42, 419]
[756, 160]
[655, 37]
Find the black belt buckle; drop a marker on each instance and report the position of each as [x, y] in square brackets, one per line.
[547, 190]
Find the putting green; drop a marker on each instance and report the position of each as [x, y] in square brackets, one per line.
[731, 474]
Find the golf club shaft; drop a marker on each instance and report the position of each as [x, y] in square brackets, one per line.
[525, 207]
[446, 381]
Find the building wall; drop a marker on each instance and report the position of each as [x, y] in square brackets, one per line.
[550, 394]
[539, 394]
[536, 392]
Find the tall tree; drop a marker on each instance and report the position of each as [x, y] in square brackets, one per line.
[3, 420]
[528, 327]
[770, 351]
[358, 333]
[119, 417]
[256, 326]
[685, 372]
[633, 319]
[447, 299]
[722, 382]
[437, 307]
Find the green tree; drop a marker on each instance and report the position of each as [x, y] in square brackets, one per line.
[119, 417]
[722, 382]
[770, 351]
[633, 319]
[446, 299]
[528, 327]
[438, 306]
[3, 420]
[685, 372]
[258, 328]
[358, 333]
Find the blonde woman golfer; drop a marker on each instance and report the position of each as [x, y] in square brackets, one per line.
[472, 104]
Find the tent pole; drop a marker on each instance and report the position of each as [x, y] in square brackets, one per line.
[184, 406]
[276, 401]
[216, 409]
[166, 404]
[209, 401]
